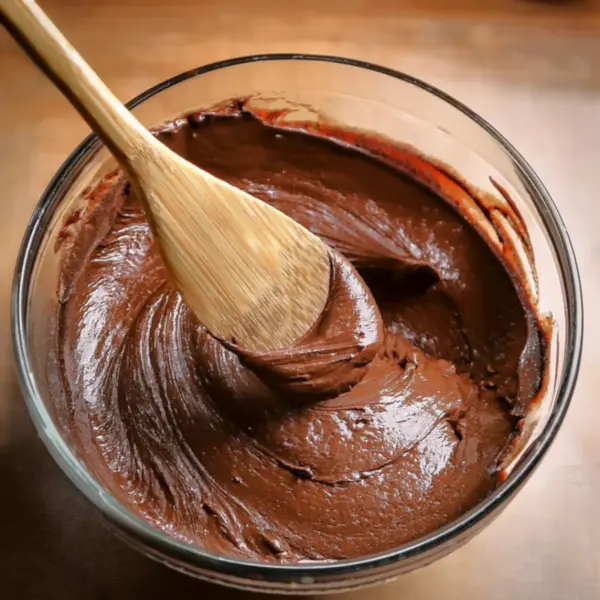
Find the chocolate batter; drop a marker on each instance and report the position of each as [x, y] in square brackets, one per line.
[384, 423]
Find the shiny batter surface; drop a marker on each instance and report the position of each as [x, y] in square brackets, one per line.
[384, 423]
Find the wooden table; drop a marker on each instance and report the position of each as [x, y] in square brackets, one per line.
[531, 68]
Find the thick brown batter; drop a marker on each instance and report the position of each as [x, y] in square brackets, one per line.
[383, 424]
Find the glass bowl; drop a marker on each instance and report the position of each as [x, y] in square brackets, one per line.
[352, 94]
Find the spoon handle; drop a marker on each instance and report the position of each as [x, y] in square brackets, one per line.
[249, 272]
[48, 48]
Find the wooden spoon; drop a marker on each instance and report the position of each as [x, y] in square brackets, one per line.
[250, 273]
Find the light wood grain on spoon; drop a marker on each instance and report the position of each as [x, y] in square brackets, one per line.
[249, 272]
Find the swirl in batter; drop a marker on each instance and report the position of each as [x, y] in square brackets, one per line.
[385, 422]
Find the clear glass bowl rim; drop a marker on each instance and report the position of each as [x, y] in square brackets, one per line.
[186, 553]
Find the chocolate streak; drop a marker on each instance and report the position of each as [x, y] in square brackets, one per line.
[382, 424]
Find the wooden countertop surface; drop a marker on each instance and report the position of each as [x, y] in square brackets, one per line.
[531, 68]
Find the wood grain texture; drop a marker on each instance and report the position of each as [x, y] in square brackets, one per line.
[237, 261]
[533, 71]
